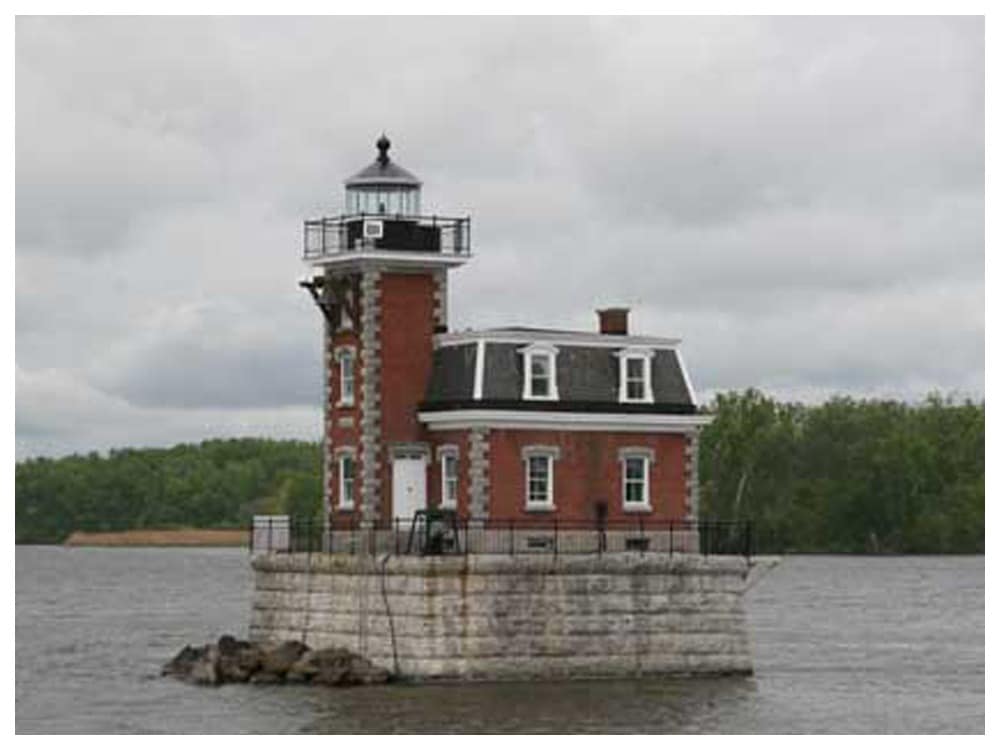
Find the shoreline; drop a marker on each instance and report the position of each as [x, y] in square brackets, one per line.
[159, 538]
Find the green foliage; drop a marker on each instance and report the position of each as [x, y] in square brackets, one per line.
[217, 484]
[848, 476]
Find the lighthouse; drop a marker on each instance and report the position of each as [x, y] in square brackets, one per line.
[501, 426]
[551, 461]
[378, 272]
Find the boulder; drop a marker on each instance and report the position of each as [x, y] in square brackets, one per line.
[326, 666]
[338, 666]
[229, 645]
[266, 678]
[205, 671]
[238, 660]
[180, 665]
[234, 660]
[279, 660]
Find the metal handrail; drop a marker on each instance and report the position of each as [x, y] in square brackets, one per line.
[328, 236]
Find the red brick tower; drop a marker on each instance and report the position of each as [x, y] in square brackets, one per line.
[379, 275]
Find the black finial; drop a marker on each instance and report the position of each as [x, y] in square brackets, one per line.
[382, 144]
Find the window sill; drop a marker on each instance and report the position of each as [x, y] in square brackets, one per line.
[344, 405]
[345, 508]
[637, 508]
[539, 508]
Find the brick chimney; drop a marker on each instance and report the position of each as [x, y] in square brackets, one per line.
[614, 321]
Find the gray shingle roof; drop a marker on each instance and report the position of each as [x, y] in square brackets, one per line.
[586, 379]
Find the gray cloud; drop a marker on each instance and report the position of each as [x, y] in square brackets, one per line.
[801, 200]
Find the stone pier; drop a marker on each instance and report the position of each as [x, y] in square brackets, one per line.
[494, 617]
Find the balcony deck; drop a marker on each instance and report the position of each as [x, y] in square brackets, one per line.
[335, 238]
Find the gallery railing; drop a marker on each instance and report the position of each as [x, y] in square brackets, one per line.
[338, 236]
[464, 536]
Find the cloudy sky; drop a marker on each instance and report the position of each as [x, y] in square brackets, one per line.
[801, 200]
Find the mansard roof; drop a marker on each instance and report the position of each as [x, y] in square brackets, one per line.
[587, 373]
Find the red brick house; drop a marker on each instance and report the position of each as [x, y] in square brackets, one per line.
[506, 423]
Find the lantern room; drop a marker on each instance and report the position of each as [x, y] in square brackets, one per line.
[383, 187]
[382, 215]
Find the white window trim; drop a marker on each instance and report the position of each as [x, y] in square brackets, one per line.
[546, 350]
[646, 355]
[551, 454]
[687, 378]
[647, 456]
[342, 354]
[345, 500]
[445, 452]
[477, 384]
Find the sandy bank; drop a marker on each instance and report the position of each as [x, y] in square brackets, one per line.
[160, 538]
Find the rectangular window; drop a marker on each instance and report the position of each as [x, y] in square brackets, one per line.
[635, 378]
[449, 480]
[541, 375]
[346, 379]
[635, 487]
[539, 481]
[346, 500]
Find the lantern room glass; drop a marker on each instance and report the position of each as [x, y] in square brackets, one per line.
[383, 199]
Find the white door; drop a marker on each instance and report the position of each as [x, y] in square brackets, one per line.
[409, 486]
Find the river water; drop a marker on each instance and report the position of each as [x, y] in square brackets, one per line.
[841, 645]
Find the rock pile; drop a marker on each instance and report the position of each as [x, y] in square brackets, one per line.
[233, 660]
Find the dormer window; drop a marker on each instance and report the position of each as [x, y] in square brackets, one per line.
[540, 373]
[635, 376]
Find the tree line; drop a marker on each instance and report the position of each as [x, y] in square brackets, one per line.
[215, 484]
[845, 476]
[848, 475]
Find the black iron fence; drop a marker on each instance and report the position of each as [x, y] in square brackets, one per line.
[450, 535]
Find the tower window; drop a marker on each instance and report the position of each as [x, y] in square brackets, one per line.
[346, 361]
[345, 491]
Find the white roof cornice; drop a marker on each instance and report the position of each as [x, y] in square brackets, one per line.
[554, 338]
[388, 258]
[561, 420]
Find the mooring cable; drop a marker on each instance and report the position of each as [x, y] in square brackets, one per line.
[388, 613]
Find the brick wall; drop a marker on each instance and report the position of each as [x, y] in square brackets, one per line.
[587, 470]
[407, 317]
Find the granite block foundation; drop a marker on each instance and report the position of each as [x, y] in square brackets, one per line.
[496, 617]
